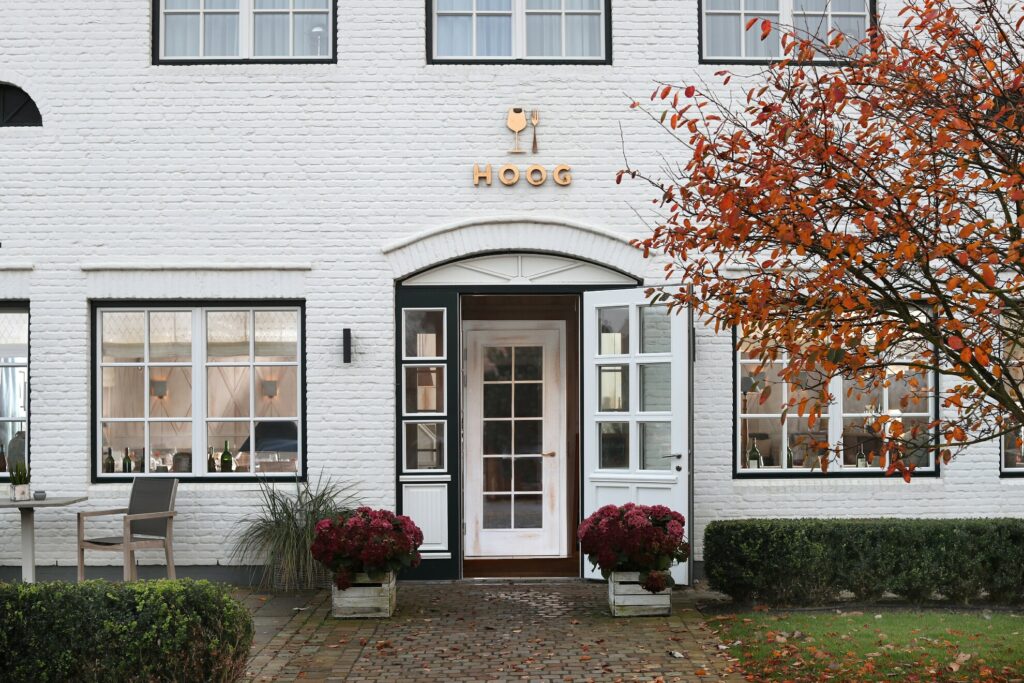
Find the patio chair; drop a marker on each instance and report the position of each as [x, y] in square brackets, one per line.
[148, 524]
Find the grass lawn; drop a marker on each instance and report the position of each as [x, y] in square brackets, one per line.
[877, 645]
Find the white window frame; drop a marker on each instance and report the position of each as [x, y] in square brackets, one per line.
[246, 32]
[519, 14]
[1006, 449]
[199, 417]
[23, 394]
[414, 415]
[786, 15]
[444, 446]
[444, 332]
[834, 413]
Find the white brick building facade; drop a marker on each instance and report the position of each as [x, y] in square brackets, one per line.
[300, 182]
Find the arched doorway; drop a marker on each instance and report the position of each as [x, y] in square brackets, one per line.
[512, 419]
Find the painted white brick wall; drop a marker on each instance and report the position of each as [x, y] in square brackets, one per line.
[325, 165]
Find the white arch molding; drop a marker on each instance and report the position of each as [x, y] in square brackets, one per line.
[516, 251]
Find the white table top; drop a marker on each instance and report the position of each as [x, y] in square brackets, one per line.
[50, 502]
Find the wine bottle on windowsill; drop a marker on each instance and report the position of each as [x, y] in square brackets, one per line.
[226, 463]
[126, 462]
[211, 462]
[108, 461]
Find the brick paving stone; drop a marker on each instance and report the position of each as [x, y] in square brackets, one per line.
[499, 632]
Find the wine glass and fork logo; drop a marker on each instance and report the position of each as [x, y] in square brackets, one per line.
[517, 123]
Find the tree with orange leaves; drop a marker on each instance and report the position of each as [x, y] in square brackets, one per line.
[864, 206]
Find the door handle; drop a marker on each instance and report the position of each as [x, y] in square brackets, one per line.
[549, 454]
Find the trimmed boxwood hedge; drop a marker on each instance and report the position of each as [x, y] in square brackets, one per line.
[144, 631]
[810, 561]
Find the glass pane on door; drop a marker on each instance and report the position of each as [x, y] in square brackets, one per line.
[513, 434]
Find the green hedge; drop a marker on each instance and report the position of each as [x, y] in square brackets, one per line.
[810, 561]
[144, 631]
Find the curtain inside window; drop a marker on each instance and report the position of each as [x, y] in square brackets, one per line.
[181, 35]
[271, 35]
[583, 35]
[454, 35]
[723, 33]
[494, 35]
[543, 35]
[311, 35]
[221, 35]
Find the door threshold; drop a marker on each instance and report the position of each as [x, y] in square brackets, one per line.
[521, 579]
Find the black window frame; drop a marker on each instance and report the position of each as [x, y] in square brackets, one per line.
[869, 473]
[733, 61]
[191, 61]
[95, 436]
[22, 306]
[28, 112]
[606, 60]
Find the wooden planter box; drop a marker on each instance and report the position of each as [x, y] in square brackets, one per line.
[365, 599]
[627, 599]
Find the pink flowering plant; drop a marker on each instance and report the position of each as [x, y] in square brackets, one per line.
[365, 540]
[636, 538]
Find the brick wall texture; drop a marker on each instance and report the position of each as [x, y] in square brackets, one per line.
[144, 179]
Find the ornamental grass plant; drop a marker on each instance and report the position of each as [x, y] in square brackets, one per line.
[279, 535]
[368, 541]
[648, 539]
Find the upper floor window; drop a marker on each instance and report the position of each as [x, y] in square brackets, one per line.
[188, 391]
[778, 440]
[233, 30]
[725, 37]
[17, 108]
[13, 388]
[521, 30]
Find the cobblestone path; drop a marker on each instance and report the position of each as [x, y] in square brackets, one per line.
[469, 631]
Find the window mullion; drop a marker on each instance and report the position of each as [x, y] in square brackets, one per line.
[199, 446]
[98, 391]
[245, 29]
[519, 29]
[564, 20]
[835, 418]
[145, 392]
[472, 31]
[252, 391]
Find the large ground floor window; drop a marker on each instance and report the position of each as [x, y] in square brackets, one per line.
[13, 387]
[773, 439]
[198, 391]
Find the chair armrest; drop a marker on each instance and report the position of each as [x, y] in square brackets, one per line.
[97, 513]
[149, 515]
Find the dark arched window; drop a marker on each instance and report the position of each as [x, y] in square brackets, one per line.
[17, 108]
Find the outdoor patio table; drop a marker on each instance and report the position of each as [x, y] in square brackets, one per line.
[28, 533]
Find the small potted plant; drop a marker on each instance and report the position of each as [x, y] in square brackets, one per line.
[364, 550]
[635, 546]
[19, 482]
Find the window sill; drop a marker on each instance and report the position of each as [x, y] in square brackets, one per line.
[235, 61]
[219, 479]
[736, 61]
[837, 474]
[601, 61]
[1011, 474]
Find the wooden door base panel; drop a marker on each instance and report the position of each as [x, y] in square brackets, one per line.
[559, 567]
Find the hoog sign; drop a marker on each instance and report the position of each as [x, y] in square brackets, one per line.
[510, 174]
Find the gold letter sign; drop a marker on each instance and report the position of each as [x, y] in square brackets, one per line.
[509, 174]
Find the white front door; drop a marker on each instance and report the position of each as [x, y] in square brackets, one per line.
[635, 416]
[514, 441]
